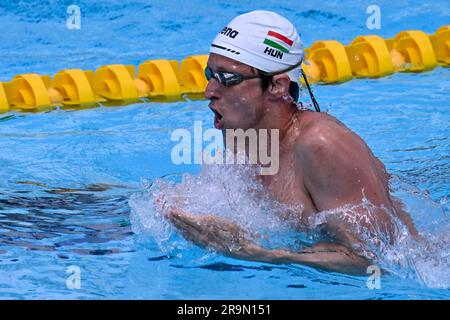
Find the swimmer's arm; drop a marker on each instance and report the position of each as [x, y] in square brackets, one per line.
[339, 172]
[228, 238]
[326, 255]
[337, 169]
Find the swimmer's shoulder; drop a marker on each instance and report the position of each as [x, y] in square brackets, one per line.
[324, 136]
[319, 127]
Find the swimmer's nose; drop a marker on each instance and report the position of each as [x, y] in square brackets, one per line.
[211, 90]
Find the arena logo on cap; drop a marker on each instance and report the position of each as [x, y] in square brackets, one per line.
[278, 42]
[229, 32]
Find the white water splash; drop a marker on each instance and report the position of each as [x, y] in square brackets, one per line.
[228, 191]
[426, 260]
[234, 193]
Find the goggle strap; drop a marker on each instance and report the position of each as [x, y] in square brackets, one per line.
[316, 105]
[283, 71]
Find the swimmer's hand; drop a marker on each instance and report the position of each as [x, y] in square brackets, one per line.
[213, 232]
[231, 240]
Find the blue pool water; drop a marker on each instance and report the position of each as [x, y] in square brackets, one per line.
[74, 183]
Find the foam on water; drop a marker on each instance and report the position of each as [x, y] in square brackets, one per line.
[427, 259]
[234, 192]
[223, 190]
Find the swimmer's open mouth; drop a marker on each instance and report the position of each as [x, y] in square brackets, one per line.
[216, 113]
[218, 118]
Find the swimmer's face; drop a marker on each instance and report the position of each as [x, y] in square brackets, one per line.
[238, 106]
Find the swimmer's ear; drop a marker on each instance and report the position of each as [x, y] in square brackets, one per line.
[279, 86]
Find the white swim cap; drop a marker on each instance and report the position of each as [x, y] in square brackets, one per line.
[264, 40]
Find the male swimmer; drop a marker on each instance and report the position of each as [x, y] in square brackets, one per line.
[253, 71]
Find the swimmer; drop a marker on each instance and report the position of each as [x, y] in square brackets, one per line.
[253, 70]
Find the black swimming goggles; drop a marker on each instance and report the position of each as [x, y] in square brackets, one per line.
[229, 79]
[226, 78]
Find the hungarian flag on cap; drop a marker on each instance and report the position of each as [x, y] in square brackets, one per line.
[278, 41]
